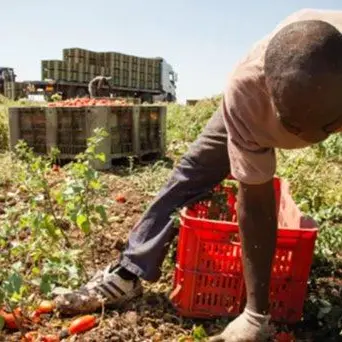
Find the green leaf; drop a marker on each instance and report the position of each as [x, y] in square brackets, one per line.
[2, 323]
[45, 284]
[81, 219]
[35, 271]
[95, 184]
[198, 333]
[89, 174]
[16, 282]
[102, 212]
[16, 297]
[83, 222]
[58, 197]
[90, 149]
[86, 227]
[101, 156]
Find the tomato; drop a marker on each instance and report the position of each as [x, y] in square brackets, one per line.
[87, 102]
[82, 324]
[120, 198]
[10, 322]
[55, 168]
[50, 338]
[46, 306]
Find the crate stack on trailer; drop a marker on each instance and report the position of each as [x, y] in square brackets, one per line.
[13, 90]
[127, 71]
[133, 130]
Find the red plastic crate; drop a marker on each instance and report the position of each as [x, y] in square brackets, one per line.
[208, 279]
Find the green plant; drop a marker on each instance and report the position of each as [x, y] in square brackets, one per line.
[56, 97]
[37, 254]
[194, 118]
[198, 334]
[82, 185]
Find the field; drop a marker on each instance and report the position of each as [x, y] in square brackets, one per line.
[59, 224]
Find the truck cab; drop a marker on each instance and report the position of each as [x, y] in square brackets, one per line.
[168, 81]
[6, 75]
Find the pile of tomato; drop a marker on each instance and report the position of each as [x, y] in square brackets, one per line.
[12, 321]
[87, 102]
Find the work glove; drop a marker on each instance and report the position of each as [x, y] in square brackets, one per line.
[248, 327]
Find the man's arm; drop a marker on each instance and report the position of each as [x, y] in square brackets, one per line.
[258, 230]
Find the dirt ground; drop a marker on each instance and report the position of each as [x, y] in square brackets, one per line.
[152, 317]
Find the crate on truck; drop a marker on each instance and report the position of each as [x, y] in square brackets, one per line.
[151, 79]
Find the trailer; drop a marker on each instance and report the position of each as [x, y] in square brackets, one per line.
[69, 89]
[149, 79]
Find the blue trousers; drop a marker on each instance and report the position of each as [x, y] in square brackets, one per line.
[204, 165]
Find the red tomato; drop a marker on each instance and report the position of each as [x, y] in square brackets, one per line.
[50, 338]
[9, 319]
[46, 306]
[120, 198]
[55, 168]
[81, 324]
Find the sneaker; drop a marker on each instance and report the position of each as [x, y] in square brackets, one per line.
[106, 288]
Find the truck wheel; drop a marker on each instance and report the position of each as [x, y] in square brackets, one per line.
[70, 93]
[81, 92]
[147, 98]
[170, 98]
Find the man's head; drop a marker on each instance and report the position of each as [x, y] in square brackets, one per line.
[303, 71]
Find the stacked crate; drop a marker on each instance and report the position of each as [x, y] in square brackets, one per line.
[81, 56]
[29, 124]
[13, 90]
[80, 65]
[134, 130]
[149, 124]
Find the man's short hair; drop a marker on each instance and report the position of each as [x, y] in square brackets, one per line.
[302, 60]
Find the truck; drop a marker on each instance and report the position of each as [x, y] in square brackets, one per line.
[150, 79]
[7, 75]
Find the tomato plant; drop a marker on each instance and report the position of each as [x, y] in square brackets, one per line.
[37, 254]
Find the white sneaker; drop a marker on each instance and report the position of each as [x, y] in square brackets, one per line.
[106, 288]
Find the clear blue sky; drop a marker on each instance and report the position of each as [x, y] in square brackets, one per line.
[201, 39]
